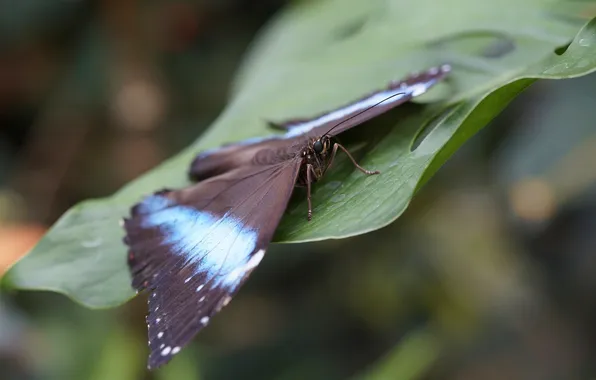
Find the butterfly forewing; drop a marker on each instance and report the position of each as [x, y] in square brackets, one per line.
[367, 107]
[193, 248]
[298, 131]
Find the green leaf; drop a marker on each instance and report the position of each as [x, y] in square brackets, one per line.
[317, 56]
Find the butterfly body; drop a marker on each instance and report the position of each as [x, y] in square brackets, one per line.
[316, 154]
[193, 248]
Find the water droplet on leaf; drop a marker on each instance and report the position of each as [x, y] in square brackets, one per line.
[333, 185]
[338, 198]
[92, 243]
[557, 69]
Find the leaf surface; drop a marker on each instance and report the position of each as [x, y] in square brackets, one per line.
[314, 57]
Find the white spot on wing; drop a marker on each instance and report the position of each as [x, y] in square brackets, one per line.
[160, 335]
[166, 351]
[418, 89]
[204, 320]
[255, 260]
[236, 275]
[187, 280]
[175, 350]
[226, 301]
[200, 287]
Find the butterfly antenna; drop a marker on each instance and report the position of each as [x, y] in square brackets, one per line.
[363, 111]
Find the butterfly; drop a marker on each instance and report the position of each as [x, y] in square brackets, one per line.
[193, 248]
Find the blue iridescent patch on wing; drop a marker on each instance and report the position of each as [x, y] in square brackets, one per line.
[216, 246]
[393, 95]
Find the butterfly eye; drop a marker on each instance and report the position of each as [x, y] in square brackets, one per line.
[318, 146]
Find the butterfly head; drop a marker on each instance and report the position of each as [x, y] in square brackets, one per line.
[317, 155]
[321, 146]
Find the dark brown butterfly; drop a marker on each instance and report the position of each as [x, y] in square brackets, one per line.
[193, 248]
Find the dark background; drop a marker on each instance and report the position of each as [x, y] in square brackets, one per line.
[490, 274]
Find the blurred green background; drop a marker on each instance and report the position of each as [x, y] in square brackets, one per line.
[490, 274]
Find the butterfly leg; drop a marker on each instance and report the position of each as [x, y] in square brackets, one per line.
[309, 171]
[334, 152]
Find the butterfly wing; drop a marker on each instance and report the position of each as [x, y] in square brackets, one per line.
[254, 151]
[298, 131]
[366, 108]
[194, 248]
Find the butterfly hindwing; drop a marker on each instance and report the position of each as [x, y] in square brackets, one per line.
[194, 248]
